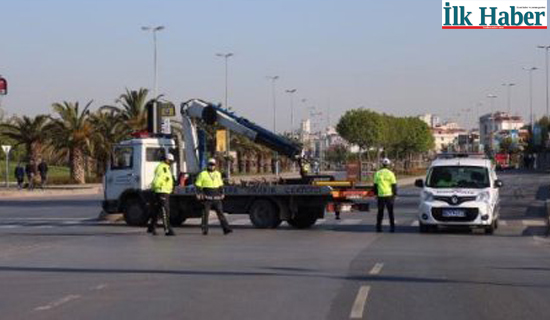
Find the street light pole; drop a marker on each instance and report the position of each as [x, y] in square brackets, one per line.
[291, 93]
[509, 92]
[154, 31]
[226, 57]
[492, 98]
[546, 48]
[530, 70]
[273, 79]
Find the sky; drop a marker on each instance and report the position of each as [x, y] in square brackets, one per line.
[388, 56]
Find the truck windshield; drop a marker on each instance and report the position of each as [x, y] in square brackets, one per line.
[458, 177]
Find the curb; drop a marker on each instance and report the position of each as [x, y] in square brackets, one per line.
[547, 205]
[49, 193]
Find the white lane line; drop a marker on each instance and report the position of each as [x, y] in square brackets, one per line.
[57, 303]
[99, 287]
[351, 221]
[376, 269]
[534, 223]
[360, 302]
[415, 223]
[321, 221]
[10, 226]
[193, 221]
[240, 222]
[44, 219]
[503, 223]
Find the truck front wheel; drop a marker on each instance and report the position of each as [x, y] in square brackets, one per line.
[135, 213]
[264, 214]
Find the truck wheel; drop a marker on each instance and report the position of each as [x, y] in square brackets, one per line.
[135, 213]
[264, 214]
[490, 229]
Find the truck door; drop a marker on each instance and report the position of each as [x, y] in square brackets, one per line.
[122, 174]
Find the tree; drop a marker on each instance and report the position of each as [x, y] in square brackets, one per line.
[32, 133]
[107, 131]
[361, 127]
[72, 130]
[133, 111]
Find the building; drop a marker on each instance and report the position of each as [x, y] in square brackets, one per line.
[430, 119]
[446, 136]
[498, 124]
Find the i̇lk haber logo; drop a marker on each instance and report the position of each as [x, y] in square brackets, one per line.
[464, 14]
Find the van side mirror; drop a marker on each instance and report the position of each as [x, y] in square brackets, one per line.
[419, 183]
[498, 184]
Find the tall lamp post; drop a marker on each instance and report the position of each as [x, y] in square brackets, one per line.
[273, 79]
[530, 70]
[154, 31]
[291, 94]
[226, 57]
[546, 48]
[492, 98]
[508, 93]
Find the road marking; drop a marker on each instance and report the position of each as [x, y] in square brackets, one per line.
[503, 223]
[44, 219]
[360, 302]
[534, 223]
[58, 302]
[376, 269]
[415, 223]
[240, 222]
[99, 287]
[9, 226]
[350, 221]
[321, 221]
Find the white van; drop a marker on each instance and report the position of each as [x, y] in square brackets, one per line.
[459, 191]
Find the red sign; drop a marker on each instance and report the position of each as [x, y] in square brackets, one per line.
[3, 87]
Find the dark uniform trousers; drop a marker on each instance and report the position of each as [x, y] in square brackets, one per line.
[215, 205]
[162, 208]
[388, 203]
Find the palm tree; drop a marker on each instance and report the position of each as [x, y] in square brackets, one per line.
[72, 131]
[133, 111]
[108, 130]
[27, 131]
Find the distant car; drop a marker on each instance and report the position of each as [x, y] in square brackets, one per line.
[502, 161]
[459, 191]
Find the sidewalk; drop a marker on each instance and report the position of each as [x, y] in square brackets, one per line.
[53, 190]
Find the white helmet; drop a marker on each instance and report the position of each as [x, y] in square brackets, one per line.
[212, 161]
[170, 157]
[386, 162]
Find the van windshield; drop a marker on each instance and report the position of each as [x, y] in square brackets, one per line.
[458, 177]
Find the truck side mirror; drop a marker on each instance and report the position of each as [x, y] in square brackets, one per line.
[498, 184]
[419, 183]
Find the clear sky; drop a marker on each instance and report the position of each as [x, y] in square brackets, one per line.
[390, 56]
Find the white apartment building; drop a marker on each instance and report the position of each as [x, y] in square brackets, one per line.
[446, 135]
[491, 125]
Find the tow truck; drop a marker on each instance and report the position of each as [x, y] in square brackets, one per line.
[299, 202]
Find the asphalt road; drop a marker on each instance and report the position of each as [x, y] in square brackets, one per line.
[57, 262]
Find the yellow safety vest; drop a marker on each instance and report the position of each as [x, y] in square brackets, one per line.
[163, 182]
[210, 180]
[384, 179]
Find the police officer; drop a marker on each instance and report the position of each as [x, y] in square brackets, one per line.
[209, 186]
[162, 187]
[385, 188]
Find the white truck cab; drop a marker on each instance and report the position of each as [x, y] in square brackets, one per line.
[459, 191]
[132, 169]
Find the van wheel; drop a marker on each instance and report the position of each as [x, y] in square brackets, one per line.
[491, 229]
[264, 214]
[135, 213]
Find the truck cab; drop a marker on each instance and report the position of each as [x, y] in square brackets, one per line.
[130, 173]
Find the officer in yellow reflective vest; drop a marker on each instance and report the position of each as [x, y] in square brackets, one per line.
[209, 186]
[385, 188]
[162, 187]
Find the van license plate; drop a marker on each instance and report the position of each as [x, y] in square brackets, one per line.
[454, 213]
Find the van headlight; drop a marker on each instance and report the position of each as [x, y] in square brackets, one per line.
[484, 196]
[427, 196]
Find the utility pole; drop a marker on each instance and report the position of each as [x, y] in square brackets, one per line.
[530, 70]
[226, 57]
[492, 98]
[509, 92]
[154, 31]
[273, 79]
[291, 94]
[546, 48]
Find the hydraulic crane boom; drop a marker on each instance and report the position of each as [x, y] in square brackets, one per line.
[212, 114]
